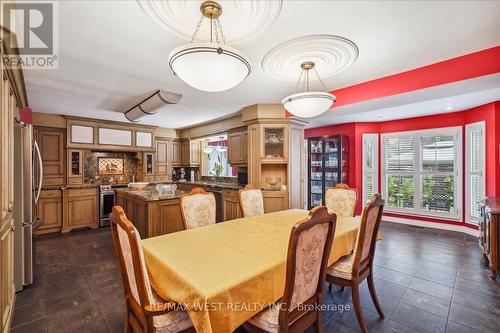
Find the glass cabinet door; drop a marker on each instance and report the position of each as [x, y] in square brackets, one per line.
[332, 149]
[75, 163]
[274, 143]
[315, 176]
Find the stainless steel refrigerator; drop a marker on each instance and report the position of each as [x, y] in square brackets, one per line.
[28, 176]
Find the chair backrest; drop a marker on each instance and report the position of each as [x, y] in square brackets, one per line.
[251, 201]
[198, 208]
[126, 239]
[341, 200]
[367, 235]
[308, 251]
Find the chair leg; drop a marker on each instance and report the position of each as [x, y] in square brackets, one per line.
[357, 307]
[318, 325]
[329, 287]
[128, 326]
[373, 293]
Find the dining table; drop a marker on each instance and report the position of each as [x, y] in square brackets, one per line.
[225, 273]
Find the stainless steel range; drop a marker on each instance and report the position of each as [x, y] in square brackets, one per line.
[106, 202]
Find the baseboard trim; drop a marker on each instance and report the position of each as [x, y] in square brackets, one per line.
[434, 225]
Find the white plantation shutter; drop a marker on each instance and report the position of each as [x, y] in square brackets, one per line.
[421, 172]
[474, 169]
[370, 166]
[399, 152]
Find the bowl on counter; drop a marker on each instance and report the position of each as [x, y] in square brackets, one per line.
[137, 186]
[273, 181]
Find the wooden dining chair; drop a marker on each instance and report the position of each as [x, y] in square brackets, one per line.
[198, 208]
[351, 270]
[308, 251]
[251, 201]
[341, 200]
[145, 311]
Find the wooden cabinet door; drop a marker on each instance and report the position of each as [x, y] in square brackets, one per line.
[176, 153]
[275, 201]
[75, 166]
[51, 144]
[163, 164]
[6, 272]
[82, 211]
[49, 209]
[230, 208]
[8, 108]
[244, 147]
[237, 148]
[195, 153]
[185, 153]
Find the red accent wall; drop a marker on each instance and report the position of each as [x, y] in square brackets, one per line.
[461, 68]
[490, 113]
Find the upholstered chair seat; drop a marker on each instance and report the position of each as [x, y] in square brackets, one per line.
[146, 310]
[268, 319]
[341, 200]
[352, 270]
[251, 201]
[342, 268]
[308, 251]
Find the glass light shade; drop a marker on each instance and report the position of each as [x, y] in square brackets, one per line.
[221, 149]
[308, 104]
[207, 149]
[209, 67]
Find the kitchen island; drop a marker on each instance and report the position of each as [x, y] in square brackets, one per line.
[151, 213]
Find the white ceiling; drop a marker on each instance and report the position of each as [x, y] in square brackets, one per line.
[112, 55]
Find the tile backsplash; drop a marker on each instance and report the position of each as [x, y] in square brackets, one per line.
[91, 167]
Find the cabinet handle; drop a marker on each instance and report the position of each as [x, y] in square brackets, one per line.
[11, 207]
[13, 228]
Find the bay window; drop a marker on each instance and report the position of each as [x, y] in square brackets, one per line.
[370, 166]
[421, 172]
[475, 189]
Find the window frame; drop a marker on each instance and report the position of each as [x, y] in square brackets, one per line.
[480, 125]
[456, 131]
[375, 171]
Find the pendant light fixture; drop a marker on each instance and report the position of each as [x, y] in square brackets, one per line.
[209, 66]
[221, 147]
[309, 103]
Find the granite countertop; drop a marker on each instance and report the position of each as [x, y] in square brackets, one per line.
[232, 186]
[150, 194]
[78, 186]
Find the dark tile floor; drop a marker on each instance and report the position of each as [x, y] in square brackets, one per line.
[427, 281]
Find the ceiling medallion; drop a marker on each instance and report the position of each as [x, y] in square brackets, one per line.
[209, 66]
[331, 54]
[309, 103]
[243, 20]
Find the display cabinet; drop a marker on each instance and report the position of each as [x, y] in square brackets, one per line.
[328, 163]
[75, 166]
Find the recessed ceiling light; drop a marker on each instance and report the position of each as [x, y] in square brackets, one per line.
[449, 108]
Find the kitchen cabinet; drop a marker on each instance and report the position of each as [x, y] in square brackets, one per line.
[176, 153]
[191, 153]
[50, 211]
[51, 144]
[75, 166]
[237, 148]
[8, 110]
[97, 134]
[274, 143]
[230, 205]
[148, 167]
[163, 161]
[275, 201]
[151, 218]
[489, 234]
[80, 208]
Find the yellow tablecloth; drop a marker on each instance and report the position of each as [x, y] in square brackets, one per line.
[227, 272]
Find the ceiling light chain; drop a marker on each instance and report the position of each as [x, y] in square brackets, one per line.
[319, 78]
[198, 29]
[221, 31]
